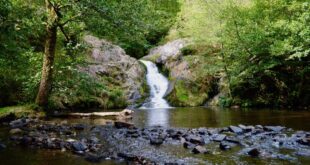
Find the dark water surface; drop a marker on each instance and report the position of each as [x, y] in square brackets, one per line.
[176, 117]
[217, 117]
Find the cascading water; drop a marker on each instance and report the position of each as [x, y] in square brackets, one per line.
[158, 85]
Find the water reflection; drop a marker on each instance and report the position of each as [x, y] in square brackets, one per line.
[216, 117]
[158, 117]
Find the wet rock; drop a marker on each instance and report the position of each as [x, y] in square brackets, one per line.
[235, 129]
[246, 128]
[232, 139]
[93, 140]
[304, 141]
[79, 146]
[254, 152]
[15, 138]
[202, 131]
[195, 140]
[274, 128]
[200, 150]
[188, 145]
[259, 127]
[128, 157]
[156, 141]
[226, 145]
[176, 135]
[26, 140]
[213, 131]
[93, 158]
[119, 124]
[2, 146]
[305, 153]
[15, 131]
[18, 123]
[219, 137]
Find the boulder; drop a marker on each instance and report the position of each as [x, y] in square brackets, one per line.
[2, 146]
[195, 140]
[219, 137]
[188, 145]
[79, 146]
[235, 129]
[226, 145]
[93, 158]
[254, 152]
[304, 141]
[15, 131]
[274, 128]
[200, 150]
[156, 141]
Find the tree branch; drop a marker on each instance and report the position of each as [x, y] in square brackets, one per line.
[63, 32]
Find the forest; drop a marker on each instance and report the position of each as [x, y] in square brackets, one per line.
[222, 78]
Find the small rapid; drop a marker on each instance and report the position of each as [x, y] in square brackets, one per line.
[158, 84]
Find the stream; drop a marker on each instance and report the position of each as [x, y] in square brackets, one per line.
[157, 117]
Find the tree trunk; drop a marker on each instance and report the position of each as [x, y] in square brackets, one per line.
[49, 54]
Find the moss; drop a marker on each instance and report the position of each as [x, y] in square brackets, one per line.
[152, 58]
[189, 93]
[20, 111]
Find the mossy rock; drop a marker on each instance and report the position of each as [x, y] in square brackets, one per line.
[190, 93]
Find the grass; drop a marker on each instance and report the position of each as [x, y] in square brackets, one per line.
[20, 111]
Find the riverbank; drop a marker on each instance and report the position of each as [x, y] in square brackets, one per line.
[18, 111]
[124, 142]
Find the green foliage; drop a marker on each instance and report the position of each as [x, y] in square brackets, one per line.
[266, 46]
[136, 25]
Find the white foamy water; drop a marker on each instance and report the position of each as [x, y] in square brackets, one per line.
[158, 84]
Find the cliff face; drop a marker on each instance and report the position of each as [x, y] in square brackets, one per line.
[110, 79]
[189, 86]
[108, 60]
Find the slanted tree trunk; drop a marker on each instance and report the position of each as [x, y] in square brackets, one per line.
[49, 54]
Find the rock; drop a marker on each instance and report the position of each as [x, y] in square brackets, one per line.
[188, 145]
[200, 150]
[26, 140]
[254, 152]
[93, 158]
[128, 157]
[18, 123]
[219, 137]
[2, 146]
[304, 141]
[195, 140]
[274, 128]
[305, 153]
[235, 129]
[109, 60]
[15, 138]
[202, 131]
[119, 124]
[226, 145]
[93, 140]
[259, 127]
[156, 141]
[132, 131]
[15, 131]
[232, 139]
[79, 146]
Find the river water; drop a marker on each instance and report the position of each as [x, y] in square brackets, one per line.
[193, 117]
[157, 112]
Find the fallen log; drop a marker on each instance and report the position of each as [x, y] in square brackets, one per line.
[123, 114]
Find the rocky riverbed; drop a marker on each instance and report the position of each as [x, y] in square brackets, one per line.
[123, 141]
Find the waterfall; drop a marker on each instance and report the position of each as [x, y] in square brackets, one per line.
[158, 84]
